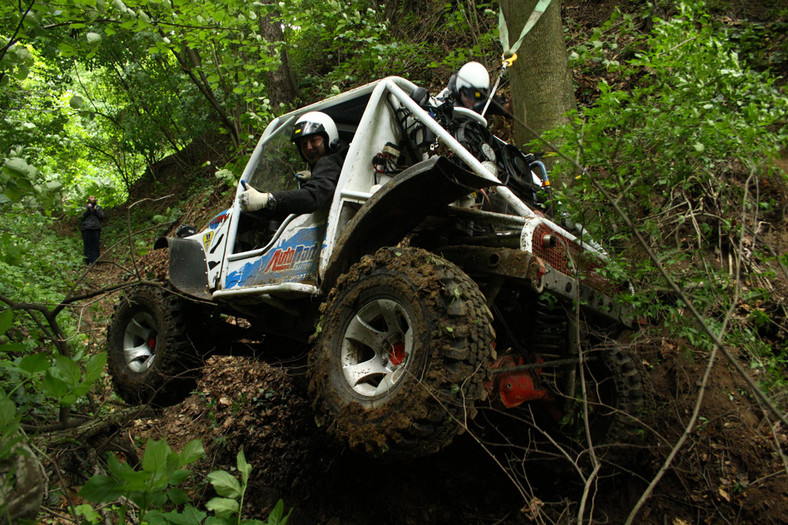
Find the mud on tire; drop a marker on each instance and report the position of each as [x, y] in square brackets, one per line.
[149, 355]
[401, 353]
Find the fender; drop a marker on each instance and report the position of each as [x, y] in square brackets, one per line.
[399, 206]
[188, 266]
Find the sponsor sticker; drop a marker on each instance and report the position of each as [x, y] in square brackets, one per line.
[206, 239]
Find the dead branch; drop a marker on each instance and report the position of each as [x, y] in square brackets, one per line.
[93, 427]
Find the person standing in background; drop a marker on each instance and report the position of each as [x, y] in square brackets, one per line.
[92, 218]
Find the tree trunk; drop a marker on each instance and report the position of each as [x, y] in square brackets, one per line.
[280, 82]
[542, 90]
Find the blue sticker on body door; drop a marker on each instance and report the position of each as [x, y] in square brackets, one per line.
[294, 259]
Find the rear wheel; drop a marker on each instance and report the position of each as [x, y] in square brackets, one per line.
[149, 354]
[610, 410]
[401, 354]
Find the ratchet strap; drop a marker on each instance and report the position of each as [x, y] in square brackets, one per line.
[503, 31]
[510, 52]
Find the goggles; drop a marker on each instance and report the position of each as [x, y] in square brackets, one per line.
[474, 93]
[304, 129]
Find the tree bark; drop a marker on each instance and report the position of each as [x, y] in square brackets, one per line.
[542, 90]
[281, 82]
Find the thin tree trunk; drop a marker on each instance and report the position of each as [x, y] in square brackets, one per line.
[280, 82]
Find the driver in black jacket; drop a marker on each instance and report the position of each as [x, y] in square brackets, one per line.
[316, 137]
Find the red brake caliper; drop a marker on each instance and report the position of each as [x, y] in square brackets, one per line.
[397, 354]
[152, 342]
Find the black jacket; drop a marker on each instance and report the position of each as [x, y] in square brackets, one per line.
[92, 217]
[317, 192]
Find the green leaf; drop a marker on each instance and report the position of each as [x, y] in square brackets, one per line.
[191, 452]
[243, 467]
[18, 166]
[88, 513]
[179, 476]
[118, 469]
[66, 49]
[6, 316]
[12, 347]
[225, 484]
[154, 517]
[223, 507]
[189, 516]
[155, 457]
[67, 370]
[101, 489]
[95, 367]
[8, 417]
[177, 496]
[276, 516]
[34, 363]
[215, 520]
[54, 387]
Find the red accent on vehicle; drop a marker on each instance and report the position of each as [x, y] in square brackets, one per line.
[517, 387]
[152, 343]
[397, 354]
[564, 250]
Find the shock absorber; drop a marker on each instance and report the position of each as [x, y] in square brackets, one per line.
[548, 328]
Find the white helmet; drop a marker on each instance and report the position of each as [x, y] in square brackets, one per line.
[474, 78]
[313, 123]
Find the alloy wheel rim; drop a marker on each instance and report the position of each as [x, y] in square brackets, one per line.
[376, 347]
[139, 342]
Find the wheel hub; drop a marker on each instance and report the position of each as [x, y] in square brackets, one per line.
[376, 346]
[139, 342]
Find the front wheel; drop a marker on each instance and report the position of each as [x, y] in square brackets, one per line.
[401, 353]
[149, 355]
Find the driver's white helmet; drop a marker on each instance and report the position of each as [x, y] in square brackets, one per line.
[314, 123]
[474, 79]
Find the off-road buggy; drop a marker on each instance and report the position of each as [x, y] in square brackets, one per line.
[435, 284]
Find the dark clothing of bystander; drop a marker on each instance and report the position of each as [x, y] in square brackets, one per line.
[92, 218]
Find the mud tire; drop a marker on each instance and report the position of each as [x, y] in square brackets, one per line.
[153, 320]
[425, 402]
[617, 401]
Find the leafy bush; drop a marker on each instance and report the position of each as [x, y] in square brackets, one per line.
[688, 149]
[156, 491]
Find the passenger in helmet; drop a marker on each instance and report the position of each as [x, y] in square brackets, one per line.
[317, 140]
[469, 88]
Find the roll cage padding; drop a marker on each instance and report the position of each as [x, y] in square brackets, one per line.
[400, 205]
[188, 266]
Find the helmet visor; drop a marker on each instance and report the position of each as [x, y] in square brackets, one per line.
[306, 128]
[476, 94]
